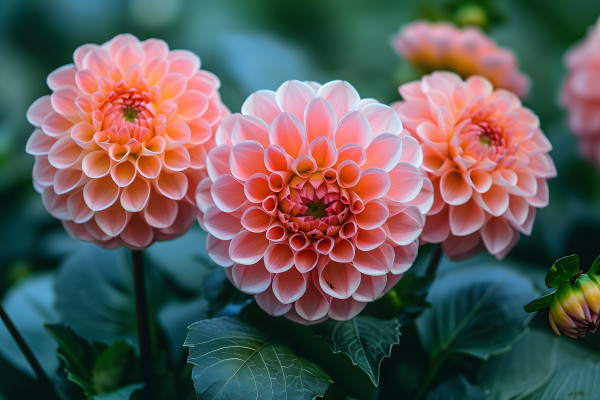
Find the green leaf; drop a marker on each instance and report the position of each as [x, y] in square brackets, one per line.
[476, 310]
[115, 367]
[544, 367]
[562, 270]
[365, 340]
[124, 393]
[95, 367]
[234, 361]
[79, 356]
[94, 294]
[595, 267]
[458, 388]
[539, 303]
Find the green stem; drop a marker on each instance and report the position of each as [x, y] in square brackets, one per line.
[435, 259]
[143, 322]
[28, 353]
[437, 362]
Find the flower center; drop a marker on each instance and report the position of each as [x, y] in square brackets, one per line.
[126, 119]
[316, 209]
[489, 135]
[313, 206]
[130, 114]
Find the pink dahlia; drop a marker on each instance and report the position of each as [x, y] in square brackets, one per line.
[467, 51]
[121, 143]
[486, 157]
[581, 93]
[314, 201]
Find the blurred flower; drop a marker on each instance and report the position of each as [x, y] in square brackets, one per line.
[575, 307]
[467, 51]
[581, 93]
[486, 157]
[314, 201]
[121, 143]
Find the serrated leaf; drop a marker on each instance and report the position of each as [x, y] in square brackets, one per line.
[595, 267]
[476, 310]
[79, 356]
[539, 303]
[235, 361]
[95, 367]
[458, 388]
[115, 367]
[562, 270]
[365, 340]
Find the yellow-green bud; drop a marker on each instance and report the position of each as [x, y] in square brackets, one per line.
[575, 307]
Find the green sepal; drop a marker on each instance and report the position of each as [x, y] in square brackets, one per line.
[562, 270]
[595, 267]
[539, 303]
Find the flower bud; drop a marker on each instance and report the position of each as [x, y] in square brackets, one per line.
[575, 307]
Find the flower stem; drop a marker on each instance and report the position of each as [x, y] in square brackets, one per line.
[436, 363]
[28, 353]
[435, 259]
[143, 321]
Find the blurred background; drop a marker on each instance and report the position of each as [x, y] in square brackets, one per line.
[258, 44]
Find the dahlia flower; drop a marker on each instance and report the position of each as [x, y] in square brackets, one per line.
[121, 142]
[467, 51]
[314, 201]
[581, 93]
[486, 157]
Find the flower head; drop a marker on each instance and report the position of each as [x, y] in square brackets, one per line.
[121, 142]
[581, 93]
[467, 51]
[314, 201]
[486, 157]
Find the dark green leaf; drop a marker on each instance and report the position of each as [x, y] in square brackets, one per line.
[476, 310]
[234, 361]
[183, 259]
[365, 340]
[29, 305]
[96, 367]
[542, 366]
[562, 270]
[94, 294]
[539, 303]
[123, 393]
[595, 267]
[458, 388]
[79, 356]
[115, 367]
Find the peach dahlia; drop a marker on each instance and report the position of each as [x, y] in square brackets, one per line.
[314, 200]
[121, 142]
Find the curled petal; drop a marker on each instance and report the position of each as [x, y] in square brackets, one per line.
[289, 286]
[339, 280]
[268, 302]
[247, 247]
[135, 196]
[278, 258]
[100, 193]
[251, 278]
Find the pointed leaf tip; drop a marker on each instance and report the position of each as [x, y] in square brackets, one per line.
[539, 303]
[595, 267]
[562, 270]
